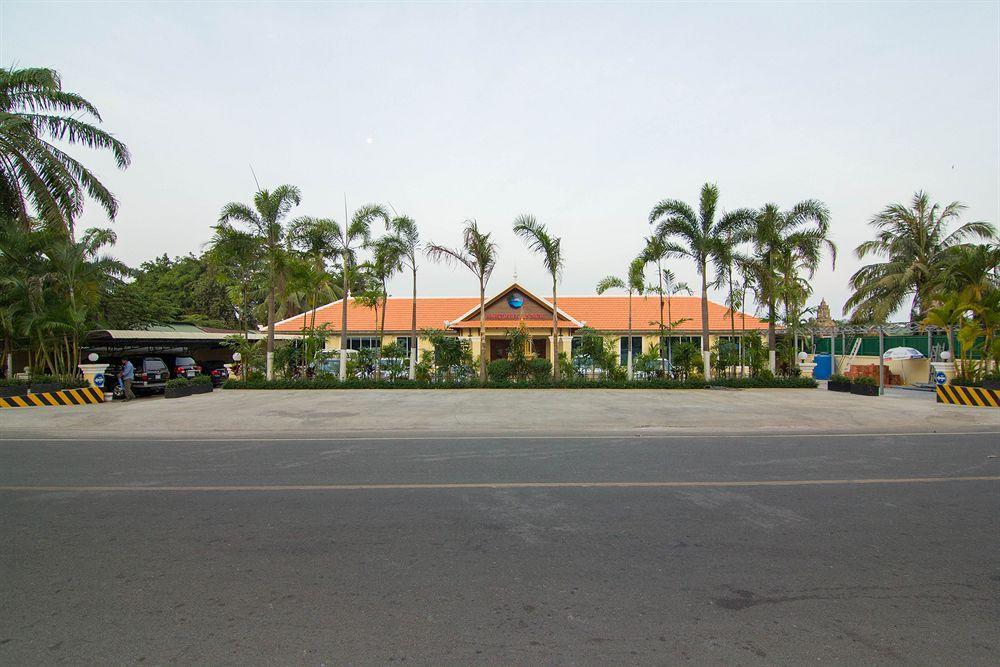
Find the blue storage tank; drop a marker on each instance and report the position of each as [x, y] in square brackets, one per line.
[824, 367]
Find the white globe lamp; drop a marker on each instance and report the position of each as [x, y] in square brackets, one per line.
[946, 355]
[92, 357]
[237, 356]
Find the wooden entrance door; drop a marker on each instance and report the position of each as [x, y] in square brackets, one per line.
[499, 348]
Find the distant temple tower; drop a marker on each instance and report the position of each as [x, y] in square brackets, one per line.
[823, 318]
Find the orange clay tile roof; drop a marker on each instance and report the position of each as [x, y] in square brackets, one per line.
[604, 313]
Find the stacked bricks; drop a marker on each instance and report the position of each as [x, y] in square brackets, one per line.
[871, 370]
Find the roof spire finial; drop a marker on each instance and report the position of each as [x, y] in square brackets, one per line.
[515, 272]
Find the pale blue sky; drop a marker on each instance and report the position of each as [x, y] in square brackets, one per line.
[581, 114]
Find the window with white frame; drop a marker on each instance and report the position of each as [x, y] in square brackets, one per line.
[362, 342]
[623, 349]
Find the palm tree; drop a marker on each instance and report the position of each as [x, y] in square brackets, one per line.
[973, 270]
[670, 286]
[347, 240]
[264, 223]
[387, 261]
[634, 284]
[550, 248]
[914, 242]
[404, 228]
[701, 237]
[314, 239]
[33, 171]
[785, 243]
[656, 250]
[479, 255]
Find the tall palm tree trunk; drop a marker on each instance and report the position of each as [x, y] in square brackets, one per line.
[343, 321]
[413, 329]
[659, 275]
[670, 348]
[706, 354]
[732, 312]
[555, 331]
[482, 331]
[270, 332]
[630, 332]
[771, 337]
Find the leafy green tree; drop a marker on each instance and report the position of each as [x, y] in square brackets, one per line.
[236, 257]
[785, 245]
[549, 247]
[701, 237]
[914, 242]
[35, 112]
[479, 255]
[634, 284]
[265, 222]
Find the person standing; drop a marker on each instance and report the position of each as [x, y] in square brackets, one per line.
[128, 374]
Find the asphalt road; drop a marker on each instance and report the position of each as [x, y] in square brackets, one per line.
[746, 550]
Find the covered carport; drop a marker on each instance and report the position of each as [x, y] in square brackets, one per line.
[201, 343]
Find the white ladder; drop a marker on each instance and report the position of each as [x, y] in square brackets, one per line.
[848, 360]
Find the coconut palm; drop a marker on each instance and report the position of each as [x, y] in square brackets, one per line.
[404, 228]
[973, 270]
[633, 284]
[785, 244]
[479, 255]
[264, 221]
[347, 241]
[914, 241]
[35, 174]
[549, 247]
[701, 237]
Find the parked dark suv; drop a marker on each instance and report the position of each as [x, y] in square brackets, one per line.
[216, 370]
[182, 366]
[151, 375]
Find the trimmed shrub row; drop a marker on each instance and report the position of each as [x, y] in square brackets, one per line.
[735, 383]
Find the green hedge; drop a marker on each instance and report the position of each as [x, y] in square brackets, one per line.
[735, 383]
[178, 382]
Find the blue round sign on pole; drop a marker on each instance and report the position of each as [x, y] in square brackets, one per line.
[99, 380]
[940, 377]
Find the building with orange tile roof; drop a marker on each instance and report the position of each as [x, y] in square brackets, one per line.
[513, 305]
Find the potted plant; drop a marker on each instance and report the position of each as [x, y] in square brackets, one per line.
[992, 381]
[44, 383]
[177, 388]
[201, 384]
[11, 387]
[839, 382]
[864, 386]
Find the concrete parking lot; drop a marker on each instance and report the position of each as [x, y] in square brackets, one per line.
[400, 412]
[523, 527]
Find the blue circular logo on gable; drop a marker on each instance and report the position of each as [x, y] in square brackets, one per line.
[515, 300]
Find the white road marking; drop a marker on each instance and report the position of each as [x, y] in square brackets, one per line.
[486, 485]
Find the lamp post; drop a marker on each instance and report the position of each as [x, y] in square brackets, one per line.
[243, 371]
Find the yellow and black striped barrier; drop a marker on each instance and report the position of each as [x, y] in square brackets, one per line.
[64, 397]
[975, 396]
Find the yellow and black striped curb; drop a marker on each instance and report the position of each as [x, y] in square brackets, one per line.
[975, 396]
[64, 397]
